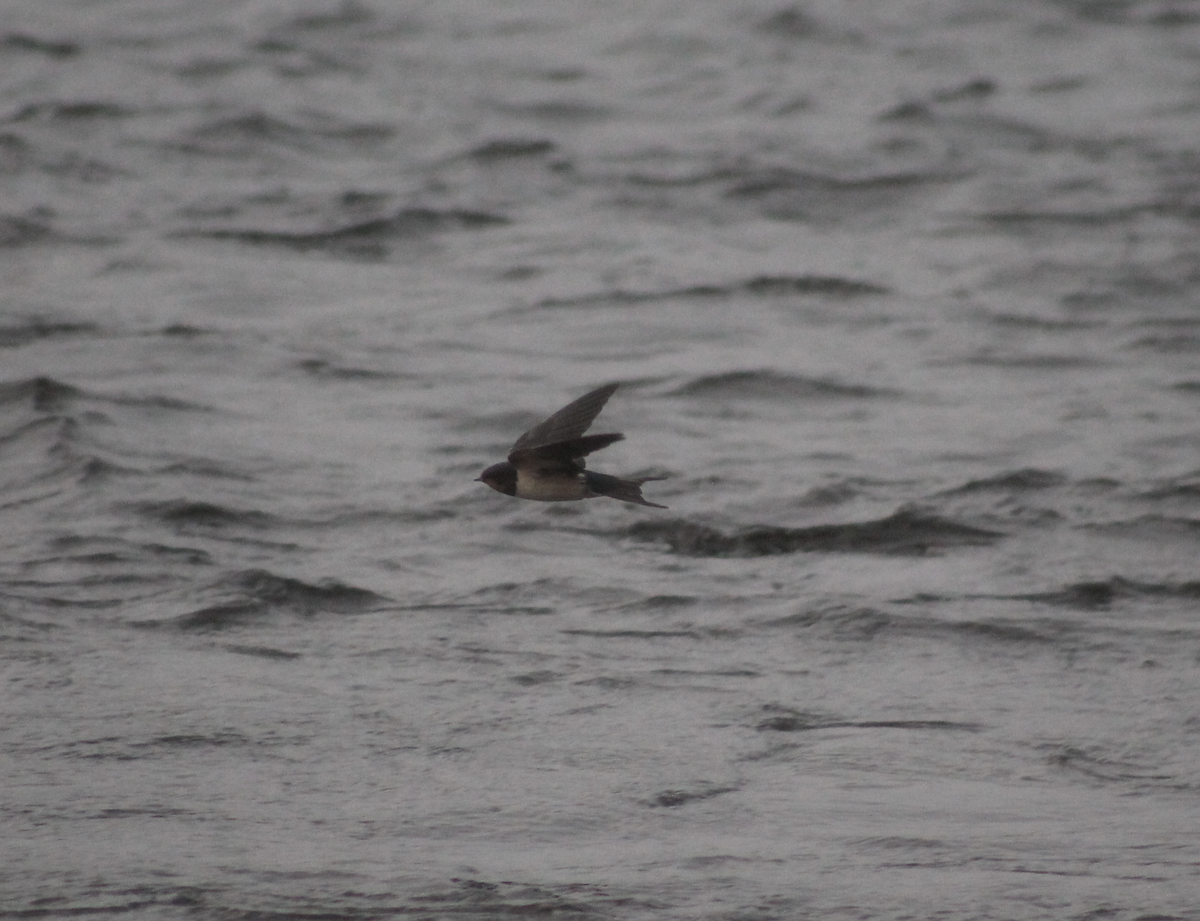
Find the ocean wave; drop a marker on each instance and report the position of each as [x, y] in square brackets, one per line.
[824, 286]
[842, 622]
[905, 532]
[1026, 479]
[253, 595]
[370, 238]
[810, 722]
[769, 384]
[191, 513]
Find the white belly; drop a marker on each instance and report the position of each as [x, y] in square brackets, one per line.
[554, 489]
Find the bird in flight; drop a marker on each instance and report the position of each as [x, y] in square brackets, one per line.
[546, 463]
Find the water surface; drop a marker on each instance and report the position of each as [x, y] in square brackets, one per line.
[902, 299]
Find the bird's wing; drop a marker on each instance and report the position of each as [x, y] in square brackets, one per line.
[568, 424]
[563, 454]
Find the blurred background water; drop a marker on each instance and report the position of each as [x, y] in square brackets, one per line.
[903, 298]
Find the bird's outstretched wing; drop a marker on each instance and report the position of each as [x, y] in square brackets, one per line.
[561, 436]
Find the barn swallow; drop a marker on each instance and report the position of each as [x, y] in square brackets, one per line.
[546, 463]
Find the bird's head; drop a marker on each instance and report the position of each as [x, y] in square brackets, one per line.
[501, 477]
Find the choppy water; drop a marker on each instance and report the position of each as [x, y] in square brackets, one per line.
[903, 297]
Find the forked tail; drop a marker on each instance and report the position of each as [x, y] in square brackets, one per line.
[626, 490]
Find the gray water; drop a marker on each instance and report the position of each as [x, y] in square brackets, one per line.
[902, 298]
